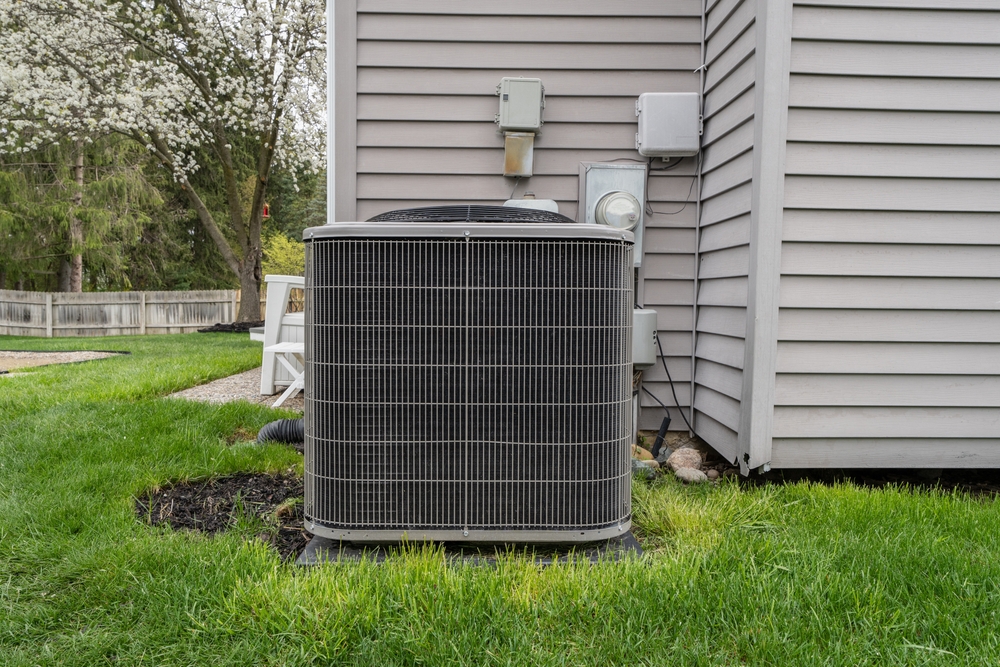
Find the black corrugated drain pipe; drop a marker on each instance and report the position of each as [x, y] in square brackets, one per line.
[282, 430]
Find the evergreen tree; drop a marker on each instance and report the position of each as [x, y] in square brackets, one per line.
[72, 213]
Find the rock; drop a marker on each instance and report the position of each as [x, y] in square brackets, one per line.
[684, 458]
[731, 472]
[652, 463]
[712, 473]
[641, 470]
[641, 454]
[664, 454]
[690, 475]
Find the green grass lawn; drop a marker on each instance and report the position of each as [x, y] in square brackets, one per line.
[794, 575]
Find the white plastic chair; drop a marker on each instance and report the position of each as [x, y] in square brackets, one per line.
[280, 326]
[292, 357]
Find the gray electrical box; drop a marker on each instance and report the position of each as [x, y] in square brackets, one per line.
[521, 104]
[643, 338]
[669, 124]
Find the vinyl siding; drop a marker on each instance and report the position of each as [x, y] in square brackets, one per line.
[724, 229]
[425, 81]
[889, 321]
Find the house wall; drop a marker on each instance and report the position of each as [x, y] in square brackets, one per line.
[724, 232]
[850, 155]
[421, 103]
[888, 347]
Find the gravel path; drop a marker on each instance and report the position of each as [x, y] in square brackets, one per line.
[14, 359]
[235, 387]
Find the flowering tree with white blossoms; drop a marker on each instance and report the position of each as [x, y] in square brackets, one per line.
[187, 79]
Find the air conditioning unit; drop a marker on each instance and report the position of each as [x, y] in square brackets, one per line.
[468, 378]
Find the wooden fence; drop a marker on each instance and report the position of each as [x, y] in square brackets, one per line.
[64, 314]
[296, 300]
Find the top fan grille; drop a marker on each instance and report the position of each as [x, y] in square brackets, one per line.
[471, 213]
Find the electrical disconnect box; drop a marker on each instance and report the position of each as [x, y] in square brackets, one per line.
[669, 124]
[643, 338]
[521, 104]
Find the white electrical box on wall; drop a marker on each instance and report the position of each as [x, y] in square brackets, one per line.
[521, 104]
[669, 124]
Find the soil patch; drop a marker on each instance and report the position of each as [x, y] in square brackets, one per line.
[233, 327]
[13, 359]
[215, 505]
[240, 435]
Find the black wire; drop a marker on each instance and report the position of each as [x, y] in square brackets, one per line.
[687, 197]
[653, 396]
[663, 361]
[668, 167]
[650, 211]
[648, 163]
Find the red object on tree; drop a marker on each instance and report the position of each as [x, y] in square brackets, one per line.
[267, 211]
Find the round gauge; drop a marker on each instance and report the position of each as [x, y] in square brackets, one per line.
[618, 209]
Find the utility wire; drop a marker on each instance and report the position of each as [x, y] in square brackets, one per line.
[663, 361]
[687, 197]
[653, 396]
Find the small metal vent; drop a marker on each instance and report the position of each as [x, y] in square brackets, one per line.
[468, 388]
[467, 213]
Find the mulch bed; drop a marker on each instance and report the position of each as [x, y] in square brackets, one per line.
[209, 507]
[234, 327]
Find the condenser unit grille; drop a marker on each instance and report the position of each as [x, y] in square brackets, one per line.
[458, 386]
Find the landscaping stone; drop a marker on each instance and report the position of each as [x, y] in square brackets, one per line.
[684, 458]
[690, 475]
[641, 454]
[641, 470]
[664, 454]
[712, 473]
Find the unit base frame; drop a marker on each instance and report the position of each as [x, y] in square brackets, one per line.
[472, 536]
[321, 550]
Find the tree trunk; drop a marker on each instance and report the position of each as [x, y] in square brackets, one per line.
[251, 275]
[76, 227]
[247, 267]
[64, 270]
[249, 291]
